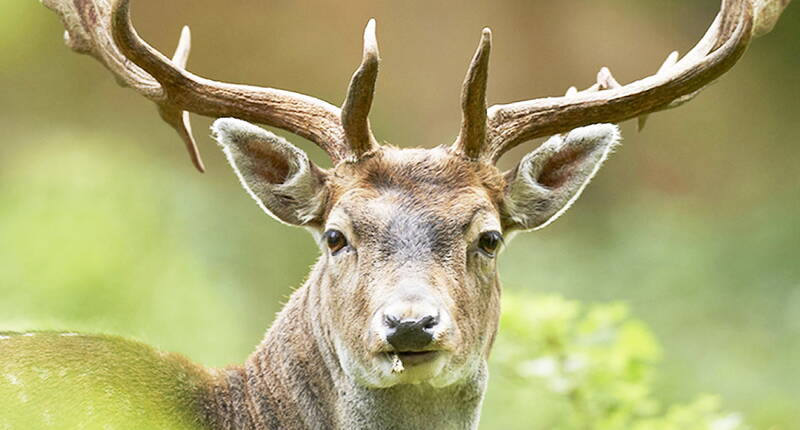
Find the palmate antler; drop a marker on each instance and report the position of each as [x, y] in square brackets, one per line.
[102, 29]
[488, 134]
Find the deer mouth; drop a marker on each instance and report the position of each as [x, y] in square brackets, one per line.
[415, 358]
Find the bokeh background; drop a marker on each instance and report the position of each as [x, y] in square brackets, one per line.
[694, 223]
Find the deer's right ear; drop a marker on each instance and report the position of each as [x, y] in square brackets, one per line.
[277, 174]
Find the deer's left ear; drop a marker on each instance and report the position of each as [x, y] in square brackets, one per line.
[549, 179]
[277, 174]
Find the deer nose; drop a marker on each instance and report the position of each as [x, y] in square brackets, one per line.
[410, 334]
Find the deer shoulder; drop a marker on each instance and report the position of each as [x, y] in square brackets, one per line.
[71, 381]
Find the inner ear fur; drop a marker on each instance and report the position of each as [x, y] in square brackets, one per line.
[277, 174]
[549, 179]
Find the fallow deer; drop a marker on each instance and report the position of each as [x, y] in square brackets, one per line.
[394, 325]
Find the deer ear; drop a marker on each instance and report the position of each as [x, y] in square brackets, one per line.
[549, 179]
[277, 174]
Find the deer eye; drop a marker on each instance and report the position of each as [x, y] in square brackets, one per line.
[489, 242]
[335, 240]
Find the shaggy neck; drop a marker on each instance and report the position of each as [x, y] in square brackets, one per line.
[294, 381]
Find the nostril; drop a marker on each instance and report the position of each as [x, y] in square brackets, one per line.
[391, 321]
[410, 334]
[429, 322]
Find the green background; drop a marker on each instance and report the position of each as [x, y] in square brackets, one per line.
[105, 226]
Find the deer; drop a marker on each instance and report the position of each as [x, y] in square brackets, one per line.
[395, 323]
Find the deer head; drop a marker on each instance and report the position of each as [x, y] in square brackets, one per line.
[409, 237]
[407, 283]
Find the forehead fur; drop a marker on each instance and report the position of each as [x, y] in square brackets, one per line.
[430, 175]
[410, 203]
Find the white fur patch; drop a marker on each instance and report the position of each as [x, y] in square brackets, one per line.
[43, 374]
[47, 417]
[13, 379]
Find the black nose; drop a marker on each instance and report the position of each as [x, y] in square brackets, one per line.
[410, 334]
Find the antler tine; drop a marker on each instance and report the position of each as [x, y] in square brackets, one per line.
[472, 139]
[767, 14]
[86, 34]
[179, 119]
[305, 116]
[666, 66]
[181, 56]
[357, 104]
[676, 82]
[102, 29]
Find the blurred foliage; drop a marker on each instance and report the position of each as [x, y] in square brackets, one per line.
[596, 364]
[105, 227]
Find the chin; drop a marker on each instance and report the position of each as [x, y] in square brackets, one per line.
[381, 370]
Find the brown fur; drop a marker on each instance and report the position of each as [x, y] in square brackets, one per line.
[412, 220]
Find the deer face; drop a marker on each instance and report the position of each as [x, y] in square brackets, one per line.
[409, 245]
[407, 287]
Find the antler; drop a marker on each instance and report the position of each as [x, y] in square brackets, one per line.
[676, 82]
[472, 138]
[105, 32]
[358, 102]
